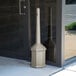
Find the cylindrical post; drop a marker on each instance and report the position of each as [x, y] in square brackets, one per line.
[38, 50]
[38, 26]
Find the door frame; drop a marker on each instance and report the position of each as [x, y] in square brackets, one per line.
[60, 33]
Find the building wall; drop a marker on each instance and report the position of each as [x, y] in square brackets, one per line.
[14, 28]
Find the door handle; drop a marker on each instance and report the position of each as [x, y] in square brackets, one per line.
[20, 7]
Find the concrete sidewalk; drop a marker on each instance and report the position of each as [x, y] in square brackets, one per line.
[16, 67]
[69, 70]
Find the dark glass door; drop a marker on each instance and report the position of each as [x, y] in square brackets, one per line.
[14, 30]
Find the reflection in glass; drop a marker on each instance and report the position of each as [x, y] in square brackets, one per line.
[50, 53]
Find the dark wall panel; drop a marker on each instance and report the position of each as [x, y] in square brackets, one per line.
[13, 30]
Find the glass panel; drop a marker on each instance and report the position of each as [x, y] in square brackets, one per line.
[48, 28]
[46, 14]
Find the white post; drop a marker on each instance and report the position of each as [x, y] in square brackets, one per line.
[38, 26]
[38, 50]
